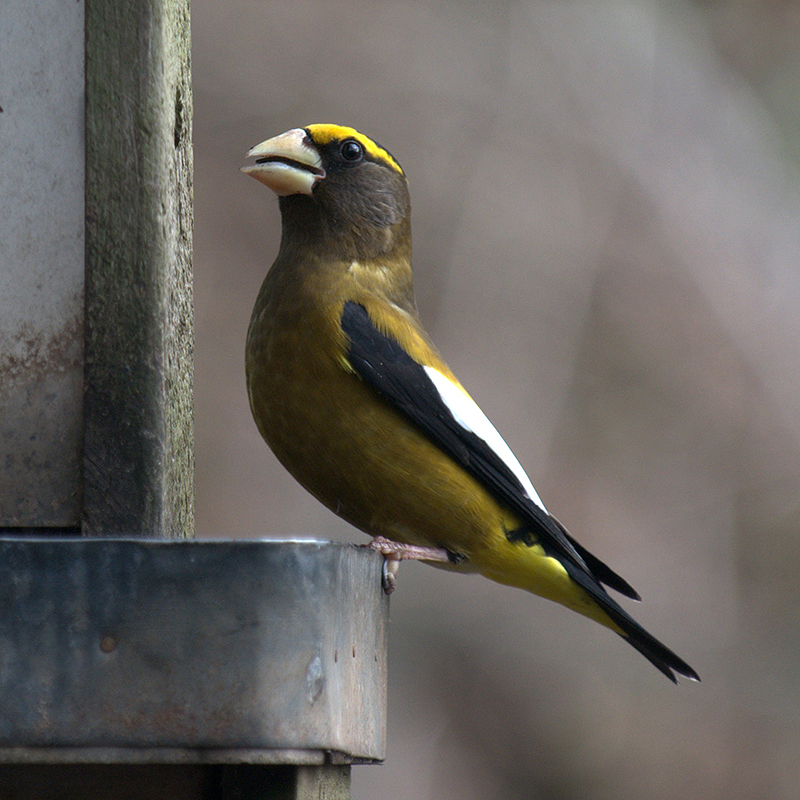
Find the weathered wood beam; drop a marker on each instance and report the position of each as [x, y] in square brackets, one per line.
[138, 442]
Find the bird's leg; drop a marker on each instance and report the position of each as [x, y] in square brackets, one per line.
[395, 552]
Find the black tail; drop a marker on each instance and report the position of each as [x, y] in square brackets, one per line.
[656, 653]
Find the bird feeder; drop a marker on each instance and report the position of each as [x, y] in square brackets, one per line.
[134, 661]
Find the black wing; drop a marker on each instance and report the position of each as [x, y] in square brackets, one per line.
[388, 369]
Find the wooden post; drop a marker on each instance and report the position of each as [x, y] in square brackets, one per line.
[138, 470]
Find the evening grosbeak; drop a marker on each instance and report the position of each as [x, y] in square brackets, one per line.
[357, 403]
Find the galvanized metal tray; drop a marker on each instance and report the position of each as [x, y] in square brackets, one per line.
[191, 651]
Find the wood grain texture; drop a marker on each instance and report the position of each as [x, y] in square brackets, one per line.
[138, 447]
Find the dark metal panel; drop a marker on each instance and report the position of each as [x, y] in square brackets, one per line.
[41, 261]
[192, 645]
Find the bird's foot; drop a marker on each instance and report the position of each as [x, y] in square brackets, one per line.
[395, 552]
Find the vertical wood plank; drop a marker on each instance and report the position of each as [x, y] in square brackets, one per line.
[138, 441]
[326, 782]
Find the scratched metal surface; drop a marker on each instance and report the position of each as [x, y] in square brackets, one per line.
[191, 648]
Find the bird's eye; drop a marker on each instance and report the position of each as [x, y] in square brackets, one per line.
[351, 150]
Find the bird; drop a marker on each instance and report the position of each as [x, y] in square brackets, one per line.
[354, 399]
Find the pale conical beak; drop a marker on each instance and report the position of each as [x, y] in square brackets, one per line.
[288, 164]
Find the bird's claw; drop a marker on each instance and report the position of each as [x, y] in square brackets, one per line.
[389, 575]
[395, 552]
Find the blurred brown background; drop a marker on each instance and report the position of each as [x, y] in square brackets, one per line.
[607, 250]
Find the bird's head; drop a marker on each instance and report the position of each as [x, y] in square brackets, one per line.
[337, 184]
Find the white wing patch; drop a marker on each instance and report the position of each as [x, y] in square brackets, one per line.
[468, 415]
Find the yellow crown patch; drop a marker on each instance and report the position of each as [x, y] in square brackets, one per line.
[322, 134]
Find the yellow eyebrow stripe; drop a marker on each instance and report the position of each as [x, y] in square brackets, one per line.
[322, 134]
